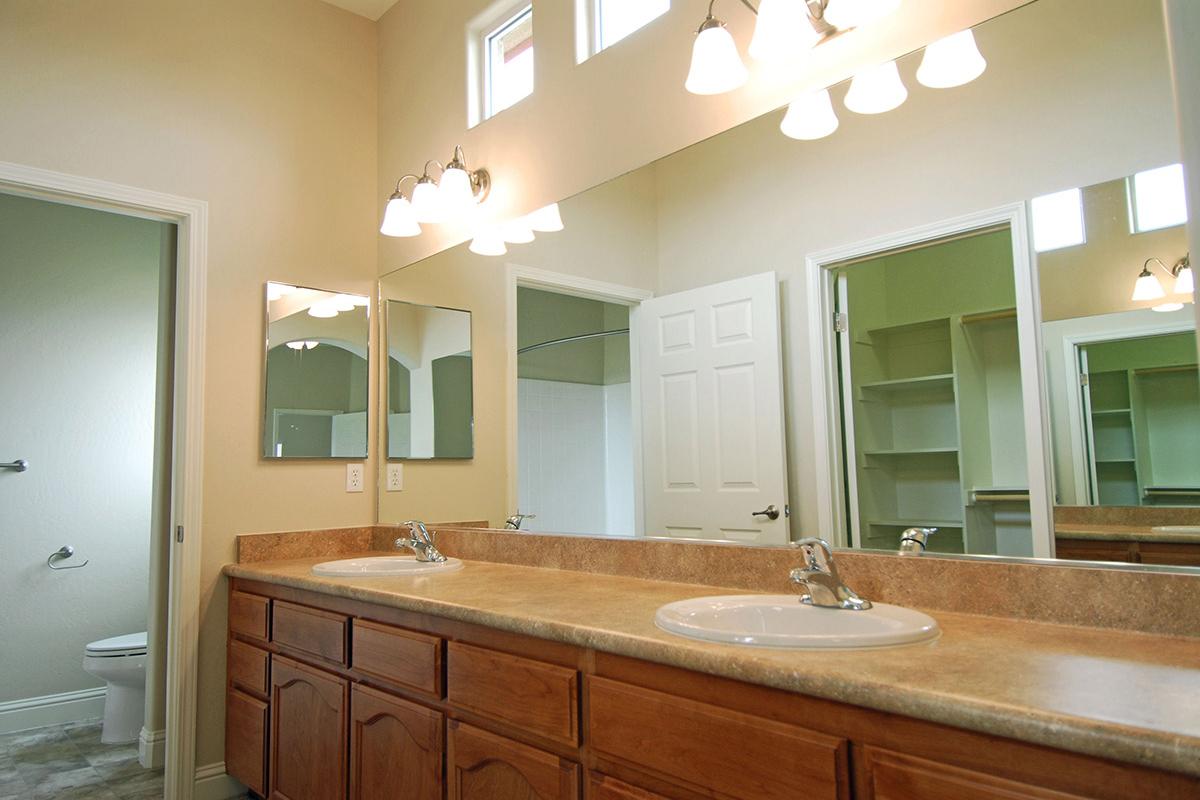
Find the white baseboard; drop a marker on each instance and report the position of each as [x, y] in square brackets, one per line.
[51, 709]
[213, 784]
[152, 748]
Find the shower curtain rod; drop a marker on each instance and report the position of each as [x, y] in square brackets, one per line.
[566, 339]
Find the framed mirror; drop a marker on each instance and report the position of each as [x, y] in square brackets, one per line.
[316, 373]
[429, 394]
[938, 396]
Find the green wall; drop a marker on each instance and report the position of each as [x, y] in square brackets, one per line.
[452, 424]
[326, 377]
[545, 316]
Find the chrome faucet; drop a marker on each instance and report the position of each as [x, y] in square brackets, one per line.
[421, 542]
[514, 522]
[819, 576]
[914, 540]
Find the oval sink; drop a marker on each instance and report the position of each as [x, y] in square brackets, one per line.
[381, 566]
[781, 620]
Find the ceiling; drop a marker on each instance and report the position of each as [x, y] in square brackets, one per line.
[371, 9]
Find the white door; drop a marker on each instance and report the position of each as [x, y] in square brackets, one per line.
[712, 413]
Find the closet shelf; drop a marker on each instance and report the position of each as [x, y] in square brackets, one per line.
[915, 523]
[917, 451]
[919, 382]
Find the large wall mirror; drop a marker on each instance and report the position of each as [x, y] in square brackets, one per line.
[927, 318]
[429, 382]
[315, 403]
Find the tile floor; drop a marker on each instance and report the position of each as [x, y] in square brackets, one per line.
[67, 762]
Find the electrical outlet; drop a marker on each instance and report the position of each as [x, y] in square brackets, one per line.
[354, 477]
[395, 477]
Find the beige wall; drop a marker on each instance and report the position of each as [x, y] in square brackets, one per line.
[267, 110]
[586, 123]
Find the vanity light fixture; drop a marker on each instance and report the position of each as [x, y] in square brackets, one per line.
[951, 61]
[302, 345]
[488, 241]
[810, 116]
[455, 196]
[546, 219]
[716, 66]
[1148, 286]
[780, 32]
[493, 239]
[322, 309]
[517, 231]
[876, 90]
[277, 291]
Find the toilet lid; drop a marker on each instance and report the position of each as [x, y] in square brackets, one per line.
[128, 645]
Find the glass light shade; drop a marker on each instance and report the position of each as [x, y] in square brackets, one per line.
[322, 309]
[1147, 287]
[876, 90]
[1165, 307]
[546, 219]
[853, 13]
[426, 202]
[399, 219]
[810, 116]
[488, 242]
[716, 66]
[782, 31]
[275, 291]
[517, 231]
[952, 61]
[296, 345]
[1184, 282]
[344, 302]
[455, 192]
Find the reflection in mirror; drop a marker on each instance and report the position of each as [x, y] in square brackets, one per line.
[430, 412]
[735, 421]
[316, 374]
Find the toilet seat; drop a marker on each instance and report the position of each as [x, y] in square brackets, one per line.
[130, 644]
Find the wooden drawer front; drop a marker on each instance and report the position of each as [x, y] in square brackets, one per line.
[713, 748]
[310, 630]
[892, 776]
[483, 766]
[402, 657]
[249, 668]
[541, 698]
[395, 748]
[602, 787]
[1095, 550]
[309, 728]
[1169, 553]
[250, 616]
[246, 740]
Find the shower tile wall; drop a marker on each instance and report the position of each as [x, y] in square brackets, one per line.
[574, 449]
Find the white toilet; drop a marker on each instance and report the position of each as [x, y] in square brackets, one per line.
[121, 662]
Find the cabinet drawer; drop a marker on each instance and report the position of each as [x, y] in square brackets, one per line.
[705, 746]
[246, 740]
[309, 630]
[484, 766]
[408, 659]
[541, 698]
[602, 787]
[248, 668]
[250, 616]
[893, 776]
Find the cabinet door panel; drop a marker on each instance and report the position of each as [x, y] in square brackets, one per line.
[483, 766]
[395, 748]
[893, 776]
[246, 740]
[308, 732]
[602, 787]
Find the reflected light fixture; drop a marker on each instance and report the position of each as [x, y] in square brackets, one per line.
[546, 219]
[810, 116]
[1148, 286]
[716, 65]
[302, 345]
[322, 309]
[876, 90]
[488, 241]
[1184, 282]
[952, 61]
[277, 291]
[517, 231]
[345, 302]
[399, 219]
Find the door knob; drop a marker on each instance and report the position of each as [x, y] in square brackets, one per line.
[770, 512]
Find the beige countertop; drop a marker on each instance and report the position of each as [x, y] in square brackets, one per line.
[1124, 533]
[1126, 696]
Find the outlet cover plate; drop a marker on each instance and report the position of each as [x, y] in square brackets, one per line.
[395, 477]
[354, 477]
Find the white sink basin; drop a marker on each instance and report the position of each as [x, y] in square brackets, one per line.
[381, 566]
[781, 620]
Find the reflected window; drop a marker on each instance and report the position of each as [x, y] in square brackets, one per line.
[508, 50]
[1157, 199]
[616, 19]
[1058, 220]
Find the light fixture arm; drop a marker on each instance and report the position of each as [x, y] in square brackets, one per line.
[1180, 265]
[816, 17]
[397, 193]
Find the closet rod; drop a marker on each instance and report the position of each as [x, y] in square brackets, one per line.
[1150, 491]
[581, 337]
[1176, 368]
[989, 316]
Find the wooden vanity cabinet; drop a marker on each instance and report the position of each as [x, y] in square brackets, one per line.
[373, 703]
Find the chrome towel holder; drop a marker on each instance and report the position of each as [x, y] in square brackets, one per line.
[64, 552]
[20, 465]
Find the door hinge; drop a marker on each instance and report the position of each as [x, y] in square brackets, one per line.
[179, 533]
[1083, 379]
[840, 322]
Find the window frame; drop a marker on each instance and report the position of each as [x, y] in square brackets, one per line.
[1083, 232]
[1131, 195]
[480, 34]
[589, 28]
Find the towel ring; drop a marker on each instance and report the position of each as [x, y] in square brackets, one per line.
[64, 552]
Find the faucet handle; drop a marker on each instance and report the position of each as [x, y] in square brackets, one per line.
[817, 554]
